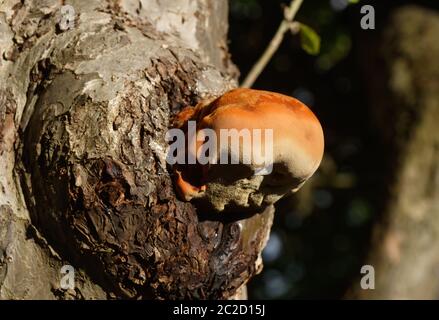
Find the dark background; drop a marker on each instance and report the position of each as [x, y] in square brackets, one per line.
[320, 235]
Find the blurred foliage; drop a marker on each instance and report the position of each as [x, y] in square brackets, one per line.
[309, 40]
[320, 235]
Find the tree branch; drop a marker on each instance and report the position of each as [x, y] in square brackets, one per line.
[286, 24]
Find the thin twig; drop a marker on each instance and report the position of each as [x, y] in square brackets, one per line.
[286, 24]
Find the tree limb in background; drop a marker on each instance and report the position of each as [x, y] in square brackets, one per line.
[405, 100]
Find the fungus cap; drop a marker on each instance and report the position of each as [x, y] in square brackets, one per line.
[297, 146]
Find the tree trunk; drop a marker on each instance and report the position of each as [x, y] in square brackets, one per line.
[405, 244]
[83, 114]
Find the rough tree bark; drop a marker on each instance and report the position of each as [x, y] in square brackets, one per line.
[405, 244]
[83, 178]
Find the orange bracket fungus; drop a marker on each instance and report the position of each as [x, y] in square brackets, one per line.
[245, 149]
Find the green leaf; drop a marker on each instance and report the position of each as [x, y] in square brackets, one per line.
[309, 39]
[353, 1]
